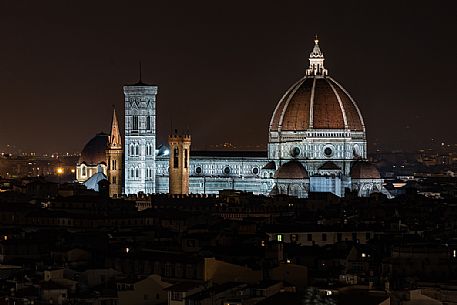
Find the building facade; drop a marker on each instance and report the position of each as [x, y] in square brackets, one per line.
[140, 138]
[317, 143]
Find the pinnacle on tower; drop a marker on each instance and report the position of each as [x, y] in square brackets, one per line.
[115, 136]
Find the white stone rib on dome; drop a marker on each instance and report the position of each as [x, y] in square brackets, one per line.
[352, 100]
[330, 93]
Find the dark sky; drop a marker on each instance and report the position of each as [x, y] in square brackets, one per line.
[221, 66]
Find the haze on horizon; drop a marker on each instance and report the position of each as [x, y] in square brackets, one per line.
[222, 68]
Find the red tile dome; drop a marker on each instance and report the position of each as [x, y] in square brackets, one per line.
[291, 170]
[316, 101]
[364, 170]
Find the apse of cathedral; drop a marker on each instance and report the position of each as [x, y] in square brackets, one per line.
[317, 143]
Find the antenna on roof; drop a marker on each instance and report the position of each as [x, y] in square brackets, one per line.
[140, 69]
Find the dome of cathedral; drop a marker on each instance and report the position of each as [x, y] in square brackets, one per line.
[364, 170]
[94, 152]
[291, 170]
[316, 101]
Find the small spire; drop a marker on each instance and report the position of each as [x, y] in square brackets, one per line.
[115, 136]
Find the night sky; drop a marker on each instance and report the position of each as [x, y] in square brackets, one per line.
[221, 67]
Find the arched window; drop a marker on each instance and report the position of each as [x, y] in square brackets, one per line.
[137, 150]
[132, 150]
[148, 122]
[137, 171]
[186, 158]
[135, 122]
[83, 170]
[132, 174]
[175, 157]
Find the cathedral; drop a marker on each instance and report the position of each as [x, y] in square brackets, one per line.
[317, 143]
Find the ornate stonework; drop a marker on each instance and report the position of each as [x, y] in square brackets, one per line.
[140, 138]
[317, 143]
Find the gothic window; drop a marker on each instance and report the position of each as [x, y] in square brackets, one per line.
[137, 173]
[132, 150]
[83, 170]
[175, 157]
[148, 122]
[135, 122]
[137, 150]
[186, 157]
[132, 174]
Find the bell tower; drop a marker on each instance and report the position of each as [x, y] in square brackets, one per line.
[114, 156]
[179, 163]
[140, 138]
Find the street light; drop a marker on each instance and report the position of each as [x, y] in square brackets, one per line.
[59, 173]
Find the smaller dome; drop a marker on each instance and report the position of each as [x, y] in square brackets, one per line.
[95, 150]
[364, 170]
[329, 165]
[270, 165]
[291, 170]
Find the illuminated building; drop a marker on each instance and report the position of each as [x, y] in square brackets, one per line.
[140, 138]
[317, 143]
